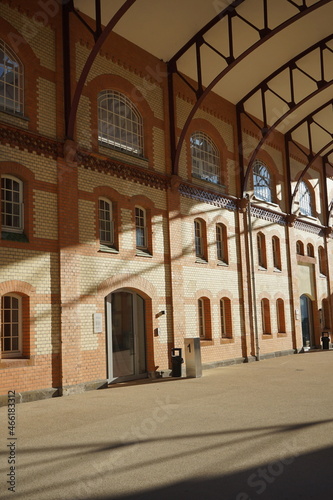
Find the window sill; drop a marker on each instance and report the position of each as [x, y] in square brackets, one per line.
[107, 249]
[227, 340]
[276, 270]
[281, 334]
[121, 150]
[19, 116]
[12, 236]
[198, 260]
[267, 336]
[16, 362]
[143, 253]
[223, 264]
[265, 202]
[206, 342]
[260, 268]
[210, 182]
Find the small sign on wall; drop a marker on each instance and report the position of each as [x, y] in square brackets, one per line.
[98, 326]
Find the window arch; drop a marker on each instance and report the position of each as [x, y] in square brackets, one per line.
[261, 246]
[265, 317]
[276, 253]
[222, 243]
[11, 325]
[305, 201]
[11, 80]
[262, 184]
[120, 124]
[106, 223]
[280, 316]
[225, 315]
[11, 204]
[205, 157]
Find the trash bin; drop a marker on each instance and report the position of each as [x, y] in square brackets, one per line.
[325, 340]
[177, 361]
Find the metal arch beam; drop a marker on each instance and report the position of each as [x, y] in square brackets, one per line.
[100, 39]
[264, 88]
[232, 62]
[310, 163]
[308, 119]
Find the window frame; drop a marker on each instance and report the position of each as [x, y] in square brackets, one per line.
[4, 227]
[18, 104]
[261, 249]
[280, 316]
[262, 182]
[276, 250]
[111, 241]
[206, 154]
[226, 318]
[221, 235]
[17, 353]
[200, 246]
[305, 200]
[122, 125]
[322, 261]
[142, 228]
[266, 317]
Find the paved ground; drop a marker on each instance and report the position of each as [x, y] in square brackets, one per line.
[262, 431]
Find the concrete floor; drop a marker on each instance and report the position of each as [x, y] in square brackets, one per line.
[259, 431]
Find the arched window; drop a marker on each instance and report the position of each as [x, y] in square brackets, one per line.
[120, 124]
[226, 322]
[222, 243]
[106, 225]
[322, 261]
[326, 322]
[141, 228]
[11, 325]
[11, 80]
[299, 247]
[265, 317]
[262, 188]
[281, 322]
[276, 253]
[261, 245]
[200, 239]
[305, 202]
[11, 204]
[310, 250]
[205, 158]
[205, 330]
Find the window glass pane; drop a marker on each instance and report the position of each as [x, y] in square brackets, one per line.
[262, 182]
[205, 158]
[11, 80]
[119, 122]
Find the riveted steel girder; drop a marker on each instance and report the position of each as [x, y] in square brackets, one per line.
[229, 60]
[294, 67]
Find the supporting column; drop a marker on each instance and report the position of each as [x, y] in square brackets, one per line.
[69, 264]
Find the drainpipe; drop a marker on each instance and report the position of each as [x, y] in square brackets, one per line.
[253, 280]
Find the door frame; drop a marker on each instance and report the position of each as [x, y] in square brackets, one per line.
[109, 352]
[310, 319]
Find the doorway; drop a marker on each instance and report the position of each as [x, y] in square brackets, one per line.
[126, 334]
[307, 321]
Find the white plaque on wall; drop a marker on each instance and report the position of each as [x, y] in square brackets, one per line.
[98, 327]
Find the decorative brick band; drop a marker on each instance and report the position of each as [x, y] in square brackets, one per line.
[128, 172]
[261, 213]
[27, 141]
[207, 197]
[310, 228]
